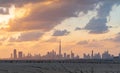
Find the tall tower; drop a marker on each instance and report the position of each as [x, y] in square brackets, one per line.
[15, 54]
[60, 48]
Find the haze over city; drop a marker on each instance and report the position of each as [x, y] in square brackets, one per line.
[53, 55]
[36, 26]
[59, 36]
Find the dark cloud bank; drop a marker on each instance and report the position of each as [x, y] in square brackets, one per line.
[60, 32]
[27, 36]
[44, 18]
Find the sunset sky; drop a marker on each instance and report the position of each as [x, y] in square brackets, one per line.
[36, 26]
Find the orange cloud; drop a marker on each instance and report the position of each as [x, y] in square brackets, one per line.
[45, 15]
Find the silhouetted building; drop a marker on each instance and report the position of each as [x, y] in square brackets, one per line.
[65, 55]
[20, 55]
[97, 56]
[92, 54]
[77, 57]
[72, 55]
[15, 54]
[68, 56]
[52, 55]
[106, 55]
[86, 56]
[60, 54]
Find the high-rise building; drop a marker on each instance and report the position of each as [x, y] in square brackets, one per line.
[65, 55]
[15, 54]
[72, 55]
[92, 54]
[60, 54]
[20, 54]
[60, 47]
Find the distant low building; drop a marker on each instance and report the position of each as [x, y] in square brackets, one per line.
[86, 56]
[106, 55]
[97, 56]
[20, 55]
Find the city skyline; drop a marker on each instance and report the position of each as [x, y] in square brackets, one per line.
[53, 55]
[59, 53]
[36, 26]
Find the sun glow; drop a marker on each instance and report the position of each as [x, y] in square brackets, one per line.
[14, 14]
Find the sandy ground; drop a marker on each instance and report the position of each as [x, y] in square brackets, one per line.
[58, 68]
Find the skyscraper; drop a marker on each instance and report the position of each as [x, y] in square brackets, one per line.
[60, 47]
[15, 54]
[60, 54]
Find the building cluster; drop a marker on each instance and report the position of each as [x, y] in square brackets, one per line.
[50, 55]
[105, 55]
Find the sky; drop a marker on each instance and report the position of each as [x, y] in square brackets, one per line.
[37, 26]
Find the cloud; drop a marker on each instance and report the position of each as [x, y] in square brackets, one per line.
[98, 24]
[94, 45]
[91, 44]
[78, 28]
[1, 43]
[10, 44]
[4, 11]
[47, 14]
[27, 36]
[115, 39]
[60, 32]
[82, 43]
[44, 15]
[52, 40]
[3, 39]
[18, 2]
